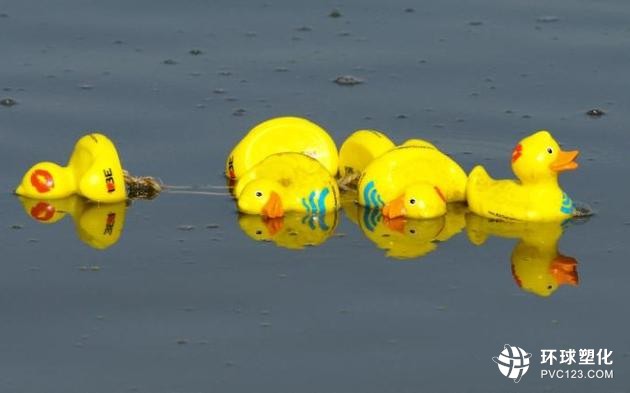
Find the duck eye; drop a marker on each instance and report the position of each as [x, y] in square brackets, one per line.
[412, 231]
[412, 201]
[549, 150]
[259, 232]
[258, 194]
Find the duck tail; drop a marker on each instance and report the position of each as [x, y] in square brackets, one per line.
[478, 178]
[357, 152]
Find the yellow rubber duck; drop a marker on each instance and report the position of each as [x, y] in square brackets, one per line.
[415, 180]
[404, 238]
[287, 182]
[97, 225]
[537, 266]
[359, 150]
[293, 231]
[535, 196]
[93, 171]
[282, 135]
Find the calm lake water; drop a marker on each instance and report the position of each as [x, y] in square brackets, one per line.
[186, 301]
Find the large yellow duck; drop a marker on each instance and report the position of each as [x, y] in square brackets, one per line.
[537, 266]
[293, 231]
[93, 171]
[535, 196]
[282, 135]
[98, 225]
[287, 182]
[414, 180]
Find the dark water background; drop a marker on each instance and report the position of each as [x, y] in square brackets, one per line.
[209, 309]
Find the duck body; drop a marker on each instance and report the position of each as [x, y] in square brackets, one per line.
[93, 171]
[287, 182]
[536, 194]
[414, 180]
[282, 135]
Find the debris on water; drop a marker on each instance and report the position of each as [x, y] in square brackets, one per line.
[181, 341]
[410, 10]
[526, 116]
[118, 42]
[304, 28]
[186, 227]
[475, 23]
[547, 19]
[348, 80]
[239, 112]
[8, 102]
[195, 52]
[89, 268]
[212, 226]
[17, 227]
[344, 34]
[595, 113]
[86, 86]
[142, 187]
[401, 116]
[225, 73]
[335, 14]
[169, 62]
[219, 91]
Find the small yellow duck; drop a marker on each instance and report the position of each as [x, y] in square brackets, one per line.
[97, 225]
[359, 150]
[293, 231]
[282, 135]
[93, 171]
[415, 180]
[537, 266]
[535, 196]
[287, 182]
[404, 238]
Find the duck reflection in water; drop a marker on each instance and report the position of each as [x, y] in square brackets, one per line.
[97, 225]
[293, 231]
[537, 266]
[405, 238]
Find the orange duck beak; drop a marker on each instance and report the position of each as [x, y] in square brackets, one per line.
[565, 161]
[564, 270]
[395, 208]
[273, 207]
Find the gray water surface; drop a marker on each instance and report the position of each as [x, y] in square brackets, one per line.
[187, 302]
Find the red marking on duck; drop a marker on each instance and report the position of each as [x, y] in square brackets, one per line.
[42, 180]
[517, 152]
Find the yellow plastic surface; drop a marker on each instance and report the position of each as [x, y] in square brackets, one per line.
[360, 149]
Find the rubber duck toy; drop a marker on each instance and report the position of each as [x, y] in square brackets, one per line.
[537, 266]
[293, 231]
[287, 182]
[535, 196]
[404, 238]
[359, 150]
[415, 180]
[282, 135]
[93, 171]
[98, 225]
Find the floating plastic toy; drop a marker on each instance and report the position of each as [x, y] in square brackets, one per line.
[537, 266]
[404, 238]
[359, 150]
[93, 171]
[293, 231]
[281, 135]
[415, 180]
[287, 182]
[97, 225]
[535, 196]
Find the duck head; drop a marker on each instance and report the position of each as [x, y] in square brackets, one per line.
[261, 197]
[539, 157]
[418, 201]
[47, 180]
